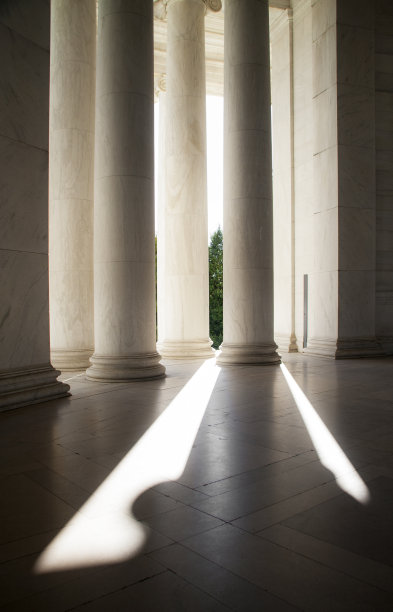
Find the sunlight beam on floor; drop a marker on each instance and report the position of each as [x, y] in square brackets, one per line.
[329, 452]
[104, 530]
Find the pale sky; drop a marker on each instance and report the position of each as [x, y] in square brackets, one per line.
[215, 113]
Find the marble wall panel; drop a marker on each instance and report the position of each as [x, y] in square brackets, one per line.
[324, 61]
[326, 240]
[323, 305]
[325, 192]
[384, 81]
[324, 14]
[384, 44]
[24, 318]
[384, 279]
[356, 53]
[356, 176]
[29, 19]
[357, 303]
[383, 62]
[355, 111]
[23, 190]
[359, 13]
[325, 120]
[23, 115]
[356, 238]
[384, 22]
[303, 151]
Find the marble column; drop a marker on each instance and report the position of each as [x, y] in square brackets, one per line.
[124, 287]
[183, 300]
[26, 375]
[71, 182]
[248, 214]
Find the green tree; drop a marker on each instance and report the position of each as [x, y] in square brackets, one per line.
[215, 287]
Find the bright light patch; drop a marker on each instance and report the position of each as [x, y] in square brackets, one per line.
[329, 452]
[104, 531]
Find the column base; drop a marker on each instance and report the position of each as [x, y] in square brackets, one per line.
[176, 349]
[248, 354]
[344, 348]
[66, 360]
[30, 386]
[105, 368]
[286, 343]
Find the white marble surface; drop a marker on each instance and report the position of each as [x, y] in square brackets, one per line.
[281, 40]
[303, 152]
[22, 113]
[248, 212]
[124, 295]
[71, 164]
[183, 287]
[25, 373]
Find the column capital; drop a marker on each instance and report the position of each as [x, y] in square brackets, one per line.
[161, 6]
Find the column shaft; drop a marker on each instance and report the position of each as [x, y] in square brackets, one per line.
[71, 154]
[248, 218]
[124, 294]
[184, 301]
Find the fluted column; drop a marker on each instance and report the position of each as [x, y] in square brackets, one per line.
[248, 212]
[184, 291]
[71, 153]
[124, 294]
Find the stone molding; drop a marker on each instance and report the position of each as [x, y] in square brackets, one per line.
[70, 360]
[286, 343]
[176, 349]
[248, 354]
[22, 387]
[161, 6]
[105, 368]
[344, 348]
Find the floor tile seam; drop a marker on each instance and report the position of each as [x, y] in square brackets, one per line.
[331, 567]
[198, 588]
[272, 477]
[335, 494]
[263, 479]
[223, 569]
[30, 554]
[67, 503]
[74, 484]
[285, 499]
[71, 580]
[240, 576]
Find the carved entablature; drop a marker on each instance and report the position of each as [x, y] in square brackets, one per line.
[160, 6]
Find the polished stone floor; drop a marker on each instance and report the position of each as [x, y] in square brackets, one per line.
[255, 488]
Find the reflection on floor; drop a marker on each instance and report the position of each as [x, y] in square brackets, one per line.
[254, 521]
